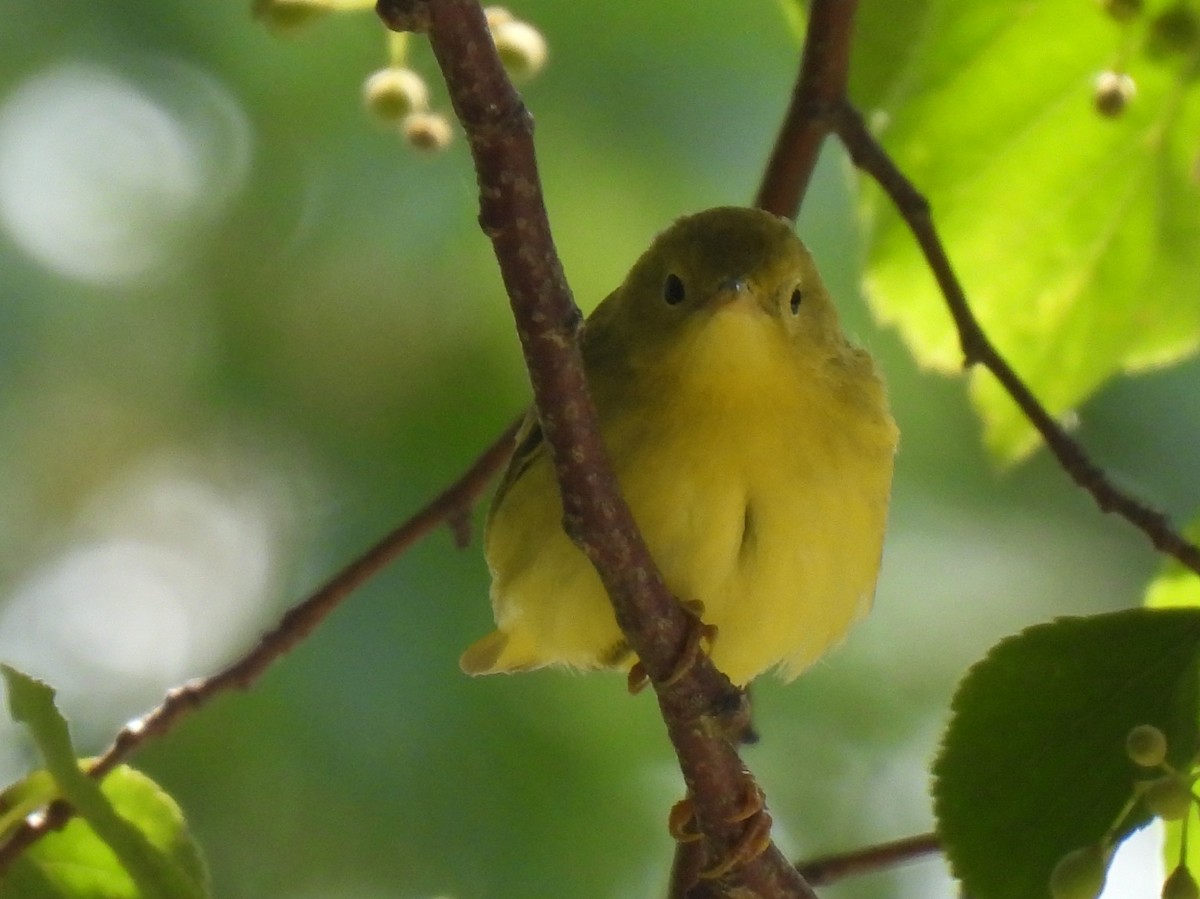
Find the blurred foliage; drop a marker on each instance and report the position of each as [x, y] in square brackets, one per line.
[323, 344]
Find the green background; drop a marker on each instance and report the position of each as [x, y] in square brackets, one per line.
[324, 343]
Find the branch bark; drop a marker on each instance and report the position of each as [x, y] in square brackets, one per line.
[697, 706]
[832, 868]
[820, 90]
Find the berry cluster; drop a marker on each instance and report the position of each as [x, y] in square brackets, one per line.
[397, 95]
[1080, 874]
[1172, 31]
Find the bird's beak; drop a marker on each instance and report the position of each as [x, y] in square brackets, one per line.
[734, 293]
[733, 285]
[730, 291]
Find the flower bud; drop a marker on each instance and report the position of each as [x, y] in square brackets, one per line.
[392, 93]
[427, 131]
[497, 16]
[1122, 10]
[521, 47]
[1180, 885]
[1175, 30]
[1146, 745]
[1113, 92]
[290, 15]
[1080, 873]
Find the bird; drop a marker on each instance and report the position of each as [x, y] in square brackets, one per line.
[751, 440]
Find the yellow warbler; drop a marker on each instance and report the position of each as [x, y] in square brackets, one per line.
[752, 442]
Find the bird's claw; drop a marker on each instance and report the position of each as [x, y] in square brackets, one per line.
[755, 838]
[698, 634]
[754, 841]
[681, 821]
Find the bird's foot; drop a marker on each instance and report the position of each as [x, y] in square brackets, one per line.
[698, 639]
[753, 842]
[681, 821]
[755, 838]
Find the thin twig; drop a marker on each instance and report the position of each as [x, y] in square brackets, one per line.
[820, 89]
[296, 624]
[512, 213]
[832, 868]
[870, 156]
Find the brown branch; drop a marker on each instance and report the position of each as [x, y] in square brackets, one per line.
[512, 213]
[296, 624]
[685, 869]
[832, 868]
[820, 90]
[977, 349]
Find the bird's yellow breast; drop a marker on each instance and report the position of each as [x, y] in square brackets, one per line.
[759, 480]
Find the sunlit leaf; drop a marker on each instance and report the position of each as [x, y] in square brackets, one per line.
[1075, 234]
[76, 862]
[1175, 585]
[129, 840]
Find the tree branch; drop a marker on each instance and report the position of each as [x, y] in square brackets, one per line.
[512, 213]
[870, 156]
[820, 90]
[832, 868]
[297, 623]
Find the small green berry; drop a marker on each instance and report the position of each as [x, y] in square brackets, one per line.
[1080, 873]
[521, 47]
[1146, 745]
[497, 16]
[1122, 10]
[427, 131]
[289, 15]
[1113, 92]
[1180, 885]
[392, 93]
[1169, 797]
[1174, 30]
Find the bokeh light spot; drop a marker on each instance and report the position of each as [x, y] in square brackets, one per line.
[106, 178]
[172, 566]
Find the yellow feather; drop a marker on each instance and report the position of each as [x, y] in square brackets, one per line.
[751, 441]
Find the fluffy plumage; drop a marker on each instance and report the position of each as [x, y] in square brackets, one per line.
[752, 442]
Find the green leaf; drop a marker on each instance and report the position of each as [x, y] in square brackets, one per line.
[23, 798]
[142, 846]
[1074, 234]
[75, 862]
[1175, 588]
[1175, 585]
[1033, 763]
[1178, 587]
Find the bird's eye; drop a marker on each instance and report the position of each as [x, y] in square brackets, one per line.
[673, 290]
[797, 297]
